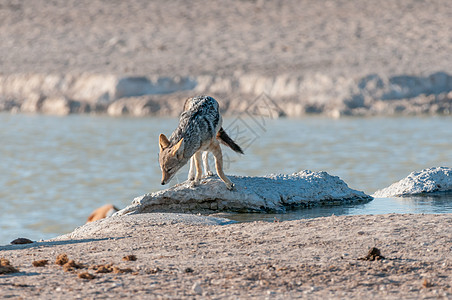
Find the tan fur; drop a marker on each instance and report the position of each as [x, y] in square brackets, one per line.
[102, 212]
[178, 149]
[216, 151]
[163, 141]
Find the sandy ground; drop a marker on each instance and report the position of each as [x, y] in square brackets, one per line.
[168, 38]
[312, 259]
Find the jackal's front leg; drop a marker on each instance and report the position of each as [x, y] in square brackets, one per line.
[216, 151]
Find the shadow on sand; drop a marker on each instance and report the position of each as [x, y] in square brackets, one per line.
[52, 243]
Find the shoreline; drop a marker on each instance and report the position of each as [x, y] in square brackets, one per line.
[315, 258]
[276, 96]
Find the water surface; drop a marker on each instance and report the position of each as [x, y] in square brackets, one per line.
[55, 170]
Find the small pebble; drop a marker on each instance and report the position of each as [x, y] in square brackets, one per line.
[130, 258]
[196, 288]
[86, 275]
[21, 241]
[40, 263]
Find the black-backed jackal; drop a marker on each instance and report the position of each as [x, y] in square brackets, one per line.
[199, 130]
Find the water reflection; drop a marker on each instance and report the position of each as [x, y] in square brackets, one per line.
[435, 203]
[432, 204]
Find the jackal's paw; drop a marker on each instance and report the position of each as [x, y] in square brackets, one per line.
[191, 177]
[194, 183]
[209, 174]
[230, 186]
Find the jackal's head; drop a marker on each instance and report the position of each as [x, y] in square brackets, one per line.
[171, 158]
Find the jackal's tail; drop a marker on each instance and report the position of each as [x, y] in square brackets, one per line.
[225, 139]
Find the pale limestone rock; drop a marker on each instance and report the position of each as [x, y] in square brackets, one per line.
[91, 88]
[56, 106]
[430, 180]
[202, 83]
[134, 106]
[167, 85]
[21, 85]
[374, 94]
[220, 85]
[133, 86]
[32, 104]
[250, 194]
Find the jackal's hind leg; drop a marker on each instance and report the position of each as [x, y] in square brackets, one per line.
[216, 151]
[205, 160]
[191, 172]
[197, 160]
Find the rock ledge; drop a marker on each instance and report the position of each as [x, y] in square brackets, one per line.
[272, 193]
[430, 180]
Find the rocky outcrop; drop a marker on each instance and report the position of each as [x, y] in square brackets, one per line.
[426, 181]
[294, 95]
[272, 193]
[86, 93]
[134, 106]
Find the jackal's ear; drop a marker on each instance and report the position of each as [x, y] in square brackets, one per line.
[178, 149]
[163, 141]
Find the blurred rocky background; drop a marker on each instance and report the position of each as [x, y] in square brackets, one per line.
[141, 57]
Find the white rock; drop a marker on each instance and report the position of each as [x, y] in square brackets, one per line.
[134, 106]
[310, 93]
[58, 105]
[32, 103]
[133, 86]
[430, 180]
[250, 194]
[196, 288]
[90, 88]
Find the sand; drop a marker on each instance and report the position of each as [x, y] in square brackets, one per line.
[312, 259]
[192, 38]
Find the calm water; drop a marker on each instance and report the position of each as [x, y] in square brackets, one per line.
[55, 170]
